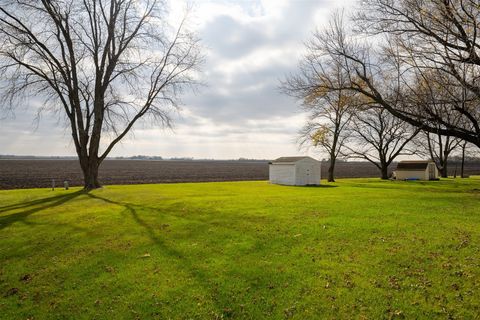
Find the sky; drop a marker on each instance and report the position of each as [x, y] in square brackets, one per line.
[240, 113]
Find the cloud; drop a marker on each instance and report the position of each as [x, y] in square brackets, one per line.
[24, 134]
[250, 46]
[249, 52]
[228, 38]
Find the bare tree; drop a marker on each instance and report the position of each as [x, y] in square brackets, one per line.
[104, 65]
[462, 166]
[398, 44]
[326, 127]
[468, 153]
[328, 111]
[379, 137]
[440, 36]
[432, 93]
[439, 148]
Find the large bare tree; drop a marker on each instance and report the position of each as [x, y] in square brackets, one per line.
[398, 44]
[468, 152]
[432, 94]
[379, 138]
[328, 118]
[104, 65]
[329, 112]
[436, 36]
[439, 149]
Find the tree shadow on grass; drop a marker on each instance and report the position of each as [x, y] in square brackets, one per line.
[320, 186]
[31, 207]
[151, 231]
[184, 261]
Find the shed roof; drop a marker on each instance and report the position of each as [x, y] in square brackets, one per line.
[413, 165]
[290, 159]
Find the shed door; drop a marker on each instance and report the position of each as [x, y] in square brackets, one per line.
[310, 172]
[431, 171]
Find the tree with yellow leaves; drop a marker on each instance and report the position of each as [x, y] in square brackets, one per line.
[328, 112]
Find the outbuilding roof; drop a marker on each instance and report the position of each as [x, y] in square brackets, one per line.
[413, 165]
[290, 159]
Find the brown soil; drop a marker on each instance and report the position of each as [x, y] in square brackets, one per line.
[39, 173]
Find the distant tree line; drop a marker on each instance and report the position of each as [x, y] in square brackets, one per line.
[396, 78]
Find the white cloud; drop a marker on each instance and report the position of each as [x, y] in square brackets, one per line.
[241, 113]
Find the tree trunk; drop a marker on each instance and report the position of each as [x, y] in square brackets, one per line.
[462, 169]
[90, 174]
[444, 168]
[444, 171]
[384, 171]
[331, 169]
[90, 161]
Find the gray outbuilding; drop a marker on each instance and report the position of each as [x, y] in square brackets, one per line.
[295, 171]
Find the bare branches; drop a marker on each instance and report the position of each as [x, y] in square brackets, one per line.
[436, 44]
[407, 48]
[407, 63]
[329, 111]
[109, 64]
[379, 138]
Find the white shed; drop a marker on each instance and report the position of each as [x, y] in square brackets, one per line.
[295, 171]
[416, 170]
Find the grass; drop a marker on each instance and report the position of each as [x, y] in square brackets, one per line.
[358, 248]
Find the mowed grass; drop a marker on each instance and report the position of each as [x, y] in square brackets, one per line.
[358, 248]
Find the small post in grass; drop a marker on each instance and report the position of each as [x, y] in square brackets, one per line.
[65, 184]
[53, 184]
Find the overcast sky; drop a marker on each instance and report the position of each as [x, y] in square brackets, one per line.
[251, 45]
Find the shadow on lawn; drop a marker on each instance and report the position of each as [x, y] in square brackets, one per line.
[184, 261]
[318, 186]
[132, 210]
[31, 207]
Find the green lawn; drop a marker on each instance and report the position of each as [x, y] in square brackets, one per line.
[358, 248]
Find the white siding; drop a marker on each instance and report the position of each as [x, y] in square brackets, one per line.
[302, 172]
[307, 172]
[282, 174]
[434, 169]
[412, 174]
